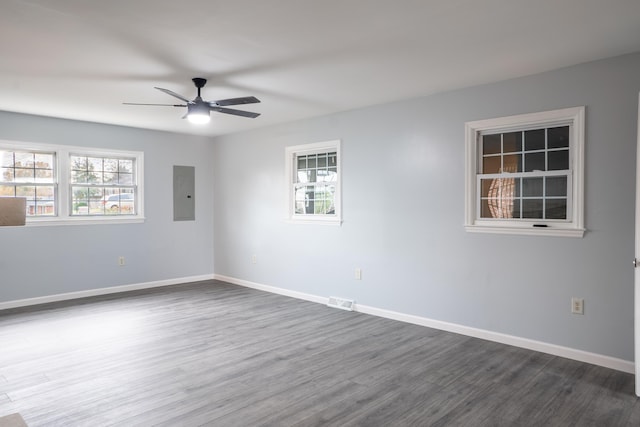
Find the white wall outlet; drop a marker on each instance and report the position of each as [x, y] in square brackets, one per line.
[358, 274]
[577, 305]
[121, 261]
[254, 259]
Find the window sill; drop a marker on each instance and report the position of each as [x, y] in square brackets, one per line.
[48, 222]
[317, 221]
[557, 232]
[521, 231]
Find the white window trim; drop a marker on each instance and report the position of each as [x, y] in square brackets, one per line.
[572, 228]
[63, 185]
[290, 155]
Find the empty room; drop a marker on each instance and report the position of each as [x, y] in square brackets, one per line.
[302, 213]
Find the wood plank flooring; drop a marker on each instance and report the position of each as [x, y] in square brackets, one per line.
[216, 354]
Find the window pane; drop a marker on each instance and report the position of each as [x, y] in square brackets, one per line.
[498, 208]
[44, 202]
[517, 212]
[110, 165]
[311, 161]
[125, 178]
[532, 187]
[485, 187]
[28, 191]
[556, 209]
[332, 158]
[95, 164]
[324, 197]
[79, 163]
[80, 194]
[326, 176]
[558, 137]
[512, 163]
[24, 160]
[556, 186]
[110, 178]
[534, 162]
[25, 175]
[125, 166]
[534, 140]
[512, 142]
[7, 190]
[303, 176]
[6, 158]
[491, 144]
[485, 212]
[7, 174]
[302, 162]
[44, 175]
[322, 160]
[491, 164]
[532, 208]
[558, 160]
[44, 160]
[78, 177]
[500, 187]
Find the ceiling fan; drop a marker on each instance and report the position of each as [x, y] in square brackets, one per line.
[198, 109]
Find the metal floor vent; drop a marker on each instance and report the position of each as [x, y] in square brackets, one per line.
[341, 303]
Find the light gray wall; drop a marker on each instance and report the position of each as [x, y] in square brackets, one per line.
[43, 261]
[403, 203]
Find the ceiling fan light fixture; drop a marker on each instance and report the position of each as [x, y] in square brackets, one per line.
[198, 114]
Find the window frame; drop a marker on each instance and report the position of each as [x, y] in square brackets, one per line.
[291, 156]
[573, 226]
[63, 205]
[34, 183]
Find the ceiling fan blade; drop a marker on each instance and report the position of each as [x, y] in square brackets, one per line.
[172, 93]
[157, 105]
[235, 112]
[235, 101]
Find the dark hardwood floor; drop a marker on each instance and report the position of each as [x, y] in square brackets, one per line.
[216, 354]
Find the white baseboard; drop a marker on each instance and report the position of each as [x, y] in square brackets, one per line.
[101, 291]
[543, 347]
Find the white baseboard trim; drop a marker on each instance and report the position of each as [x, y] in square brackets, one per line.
[271, 289]
[543, 347]
[101, 291]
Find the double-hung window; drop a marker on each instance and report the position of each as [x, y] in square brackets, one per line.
[102, 185]
[30, 174]
[525, 174]
[313, 182]
[72, 185]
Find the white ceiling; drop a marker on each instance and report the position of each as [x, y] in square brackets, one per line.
[80, 59]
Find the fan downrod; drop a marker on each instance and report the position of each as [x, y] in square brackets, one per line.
[199, 82]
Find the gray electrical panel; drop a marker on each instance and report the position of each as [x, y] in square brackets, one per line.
[184, 197]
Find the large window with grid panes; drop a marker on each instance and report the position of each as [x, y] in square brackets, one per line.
[525, 174]
[63, 184]
[313, 182]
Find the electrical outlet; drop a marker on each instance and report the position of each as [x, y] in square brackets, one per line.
[358, 274]
[254, 259]
[121, 261]
[577, 305]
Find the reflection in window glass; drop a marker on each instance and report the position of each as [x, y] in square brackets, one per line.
[527, 163]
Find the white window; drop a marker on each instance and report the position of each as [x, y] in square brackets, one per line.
[102, 185]
[72, 185]
[30, 174]
[524, 174]
[313, 182]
